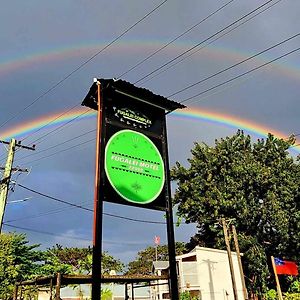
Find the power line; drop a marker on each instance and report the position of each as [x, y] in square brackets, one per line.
[175, 39]
[49, 212]
[57, 145]
[234, 65]
[71, 236]
[241, 75]
[53, 198]
[41, 138]
[44, 232]
[85, 208]
[61, 151]
[211, 42]
[50, 122]
[202, 42]
[59, 128]
[82, 65]
[62, 126]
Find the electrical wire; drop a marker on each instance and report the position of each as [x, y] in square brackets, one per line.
[202, 42]
[234, 65]
[240, 75]
[53, 87]
[62, 126]
[41, 138]
[209, 43]
[42, 214]
[57, 145]
[59, 128]
[85, 208]
[71, 236]
[44, 232]
[50, 122]
[175, 39]
[60, 151]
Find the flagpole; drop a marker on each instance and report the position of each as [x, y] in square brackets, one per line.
[276, 279]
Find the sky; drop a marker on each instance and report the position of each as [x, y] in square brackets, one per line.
[50, 53]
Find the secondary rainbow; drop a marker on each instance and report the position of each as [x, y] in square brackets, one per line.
[12, 64]
[46, 122]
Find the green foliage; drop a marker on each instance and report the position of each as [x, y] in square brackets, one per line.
[271, 295]
[110, 263]
[65, 260]
[106, 294]
[186, 296]
[18, 261]
[294, 285]
[256, 185]
[291, 296]
[143, 263]
[71, 260]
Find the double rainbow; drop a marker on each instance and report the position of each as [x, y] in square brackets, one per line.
[195, 114]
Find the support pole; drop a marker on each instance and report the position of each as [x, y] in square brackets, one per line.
[276, 279]
[21, 292]
[98, 206]
[132, 292]
[15, 292]
[51, 288]
[4, 184]
[237, 250]
[58, 285]
[229, 258]
[170, 225]
[126, 292]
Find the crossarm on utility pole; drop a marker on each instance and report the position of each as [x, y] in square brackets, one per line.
[5, 180]
[4, 184]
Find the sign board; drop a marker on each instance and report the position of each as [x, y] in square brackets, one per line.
[131, 159]
[134, 166]
[134, 144]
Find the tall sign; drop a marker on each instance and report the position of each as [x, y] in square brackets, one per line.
[132, 165]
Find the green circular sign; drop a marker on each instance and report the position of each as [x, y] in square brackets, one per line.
[134, 167]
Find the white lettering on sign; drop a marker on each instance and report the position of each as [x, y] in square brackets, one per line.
[139, 165]
[148, 166]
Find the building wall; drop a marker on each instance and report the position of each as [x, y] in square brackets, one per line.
[209, 274]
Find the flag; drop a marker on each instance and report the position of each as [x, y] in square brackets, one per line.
[157, 240]
[285, 267]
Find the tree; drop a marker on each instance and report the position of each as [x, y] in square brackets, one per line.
[18, 261]
[65, 260]
[76, 260]
[143, 263]
[256, 186]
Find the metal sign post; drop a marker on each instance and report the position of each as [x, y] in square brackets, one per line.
[132, 166]
[98, 202]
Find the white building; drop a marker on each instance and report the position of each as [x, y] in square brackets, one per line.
[205, 273]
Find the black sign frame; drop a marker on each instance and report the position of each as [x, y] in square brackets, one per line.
[140, 107]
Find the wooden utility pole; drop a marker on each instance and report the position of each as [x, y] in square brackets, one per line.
[4, 183]
[237, 250]
[276, 279]
[98, 202]
[229, 258]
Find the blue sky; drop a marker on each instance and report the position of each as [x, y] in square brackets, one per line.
[58, 36]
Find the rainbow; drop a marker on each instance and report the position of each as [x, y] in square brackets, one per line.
[192, 113]
[11, 64]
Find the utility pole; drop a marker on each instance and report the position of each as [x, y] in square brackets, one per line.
[4, 182]
[237, 250]
[226, 236]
